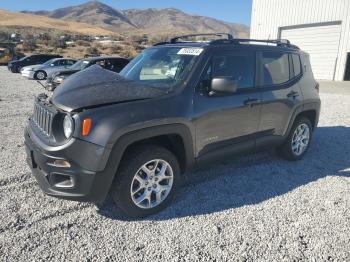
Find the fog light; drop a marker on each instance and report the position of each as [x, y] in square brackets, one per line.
[60, 163]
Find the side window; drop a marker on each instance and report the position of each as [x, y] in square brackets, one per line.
[70, 62]
[109, 64]
[116, 65]
[296, 64]
[58, 62]
[101, 63]
[275, 68]
[239, 67]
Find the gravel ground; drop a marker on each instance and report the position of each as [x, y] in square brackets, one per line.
[257, 207]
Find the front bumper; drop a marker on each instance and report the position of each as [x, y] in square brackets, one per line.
[50, 86]
[28, 74]
[73, 183]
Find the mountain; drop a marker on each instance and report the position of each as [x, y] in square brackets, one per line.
[10, 19]
[149, 21]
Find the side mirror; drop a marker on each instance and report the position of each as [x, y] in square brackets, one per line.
[224, 85]
[52, 64]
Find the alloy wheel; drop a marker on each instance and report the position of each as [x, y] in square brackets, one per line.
[40, 75]
[152, 184]
[300, 139]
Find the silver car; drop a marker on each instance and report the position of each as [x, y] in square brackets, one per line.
[40, 72]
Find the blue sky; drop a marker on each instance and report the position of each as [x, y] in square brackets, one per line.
[237, 11]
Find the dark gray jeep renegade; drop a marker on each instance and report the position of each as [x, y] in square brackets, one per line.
[177, 105]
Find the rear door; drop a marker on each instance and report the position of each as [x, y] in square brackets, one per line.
[281, 93]
[226, 122]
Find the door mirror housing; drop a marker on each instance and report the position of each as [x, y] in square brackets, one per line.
[224, 85]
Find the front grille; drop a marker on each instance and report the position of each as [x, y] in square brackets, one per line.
[42, 117]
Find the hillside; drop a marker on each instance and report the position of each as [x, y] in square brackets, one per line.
[149, 21]
[10, 19]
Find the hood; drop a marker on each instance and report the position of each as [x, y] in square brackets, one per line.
[96, 86]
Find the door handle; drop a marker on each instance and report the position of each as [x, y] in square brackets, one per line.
[251, 101]
[293, 94]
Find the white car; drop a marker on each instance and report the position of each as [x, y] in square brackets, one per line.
[40, 72]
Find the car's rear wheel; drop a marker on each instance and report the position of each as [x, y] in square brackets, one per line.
[298, 140]
[40, 75]
[146, 181]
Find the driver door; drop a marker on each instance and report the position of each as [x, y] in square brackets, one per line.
[227, 122]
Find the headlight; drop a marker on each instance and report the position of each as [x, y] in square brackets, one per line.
[68, 126]
[58, 79]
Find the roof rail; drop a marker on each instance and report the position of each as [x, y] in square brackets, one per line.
[278, 42]
[175, 39]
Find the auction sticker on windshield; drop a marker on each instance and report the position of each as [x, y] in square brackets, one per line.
[190, 51]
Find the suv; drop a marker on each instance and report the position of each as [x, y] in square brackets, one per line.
[176, 106]
[56, 77]
[16, 65]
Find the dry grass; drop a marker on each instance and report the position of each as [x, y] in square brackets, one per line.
[28, 20]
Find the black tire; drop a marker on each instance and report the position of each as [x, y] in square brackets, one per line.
[130, 165]
[14, 70]
[38, 77]
[286, 150]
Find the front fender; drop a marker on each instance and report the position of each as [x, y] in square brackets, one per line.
[121, 145]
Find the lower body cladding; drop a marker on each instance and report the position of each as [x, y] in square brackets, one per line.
[60, 176]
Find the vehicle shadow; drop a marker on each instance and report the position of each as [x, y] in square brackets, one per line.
[255, 178]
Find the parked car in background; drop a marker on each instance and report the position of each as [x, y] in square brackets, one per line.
[16, 65]
[178, 105]
[115, 64]
[40, 72]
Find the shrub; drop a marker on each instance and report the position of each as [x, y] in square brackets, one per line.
[29, 45]
[92, 50]
[58, 43]
[83, 43]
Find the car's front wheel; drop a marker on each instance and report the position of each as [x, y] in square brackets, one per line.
[40, 75]
[298, 140]
[146, 181]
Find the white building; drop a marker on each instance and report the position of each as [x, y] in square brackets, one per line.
[319, 27]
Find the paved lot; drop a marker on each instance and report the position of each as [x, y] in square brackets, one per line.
[255, 208]
[335, 87]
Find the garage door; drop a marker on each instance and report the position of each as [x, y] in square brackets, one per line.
[321, 42]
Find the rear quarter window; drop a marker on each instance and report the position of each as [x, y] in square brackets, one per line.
[275, 68]
[296, 64]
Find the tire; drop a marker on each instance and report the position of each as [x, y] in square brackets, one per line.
[13, 70]
[40, 75]
[126, 182]
[289, 150]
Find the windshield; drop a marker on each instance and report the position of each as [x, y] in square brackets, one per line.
[163, 67]
[49, 62]
[80, 65]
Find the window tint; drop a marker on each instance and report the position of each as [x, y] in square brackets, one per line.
[70, 62]
[240, 67]
[296, 64]
[115, 65]
[275, 68]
